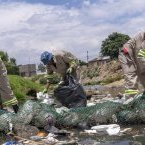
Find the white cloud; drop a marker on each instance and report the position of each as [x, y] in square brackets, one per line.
[28, 29]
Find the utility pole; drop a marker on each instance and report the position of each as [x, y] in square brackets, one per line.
[87, 58]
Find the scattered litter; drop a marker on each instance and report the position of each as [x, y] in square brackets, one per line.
[62, 110]
[26, 142]
[112, 129]
[10, 143]
[36, 138]
[91, 104]
[42, 134]
[51, 139]
[90, 131]
[45, 98]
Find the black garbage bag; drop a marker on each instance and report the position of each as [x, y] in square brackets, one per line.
[71, 94]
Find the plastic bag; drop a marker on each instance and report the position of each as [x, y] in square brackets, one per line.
[71, 94]
[112, 129]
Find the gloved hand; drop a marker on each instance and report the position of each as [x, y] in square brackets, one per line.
[45, 91]
[125, 50]
[69, 70]
[141, 53]
[61, 83]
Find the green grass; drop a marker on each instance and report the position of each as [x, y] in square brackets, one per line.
[21, 85]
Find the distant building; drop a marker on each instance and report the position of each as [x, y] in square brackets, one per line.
[100, 60]
[27, 70]
[40, 72]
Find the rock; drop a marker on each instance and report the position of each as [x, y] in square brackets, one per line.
[25, 131]
[83, 125]
[51, 129]
[36, 138]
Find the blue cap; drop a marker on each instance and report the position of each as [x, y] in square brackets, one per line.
[46, 57]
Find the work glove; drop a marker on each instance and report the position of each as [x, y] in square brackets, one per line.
[61, 83]
[45, 91]
[141, 53]
[69, 70]
[125, 50]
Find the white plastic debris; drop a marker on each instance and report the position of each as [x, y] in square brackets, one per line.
[126, 130]
[42, 96]
[91, 104]
[112, 129]
[45, 98]
[10, 126]
[90, 131]
[62, 110]
[51, 139]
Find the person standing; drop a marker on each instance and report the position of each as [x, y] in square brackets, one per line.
[132, 58]
[7, 97]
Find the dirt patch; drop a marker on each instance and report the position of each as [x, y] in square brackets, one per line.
[105, 74]
[116, 83]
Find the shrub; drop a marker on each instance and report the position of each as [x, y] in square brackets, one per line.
[20, 86]
[54, 79]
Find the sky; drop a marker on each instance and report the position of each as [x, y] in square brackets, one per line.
[29, 27]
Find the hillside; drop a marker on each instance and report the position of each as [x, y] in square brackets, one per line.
[109, 73]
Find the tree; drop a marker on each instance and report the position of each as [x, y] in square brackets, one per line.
[111, 45]
[81, 62]
[10, 64]
[13, 61]
[12, 69]
[4, 56]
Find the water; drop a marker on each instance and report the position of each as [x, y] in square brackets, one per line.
[135, 137]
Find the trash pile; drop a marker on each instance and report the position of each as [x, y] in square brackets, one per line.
[133, 112]
[42, 115]
[46, 117]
